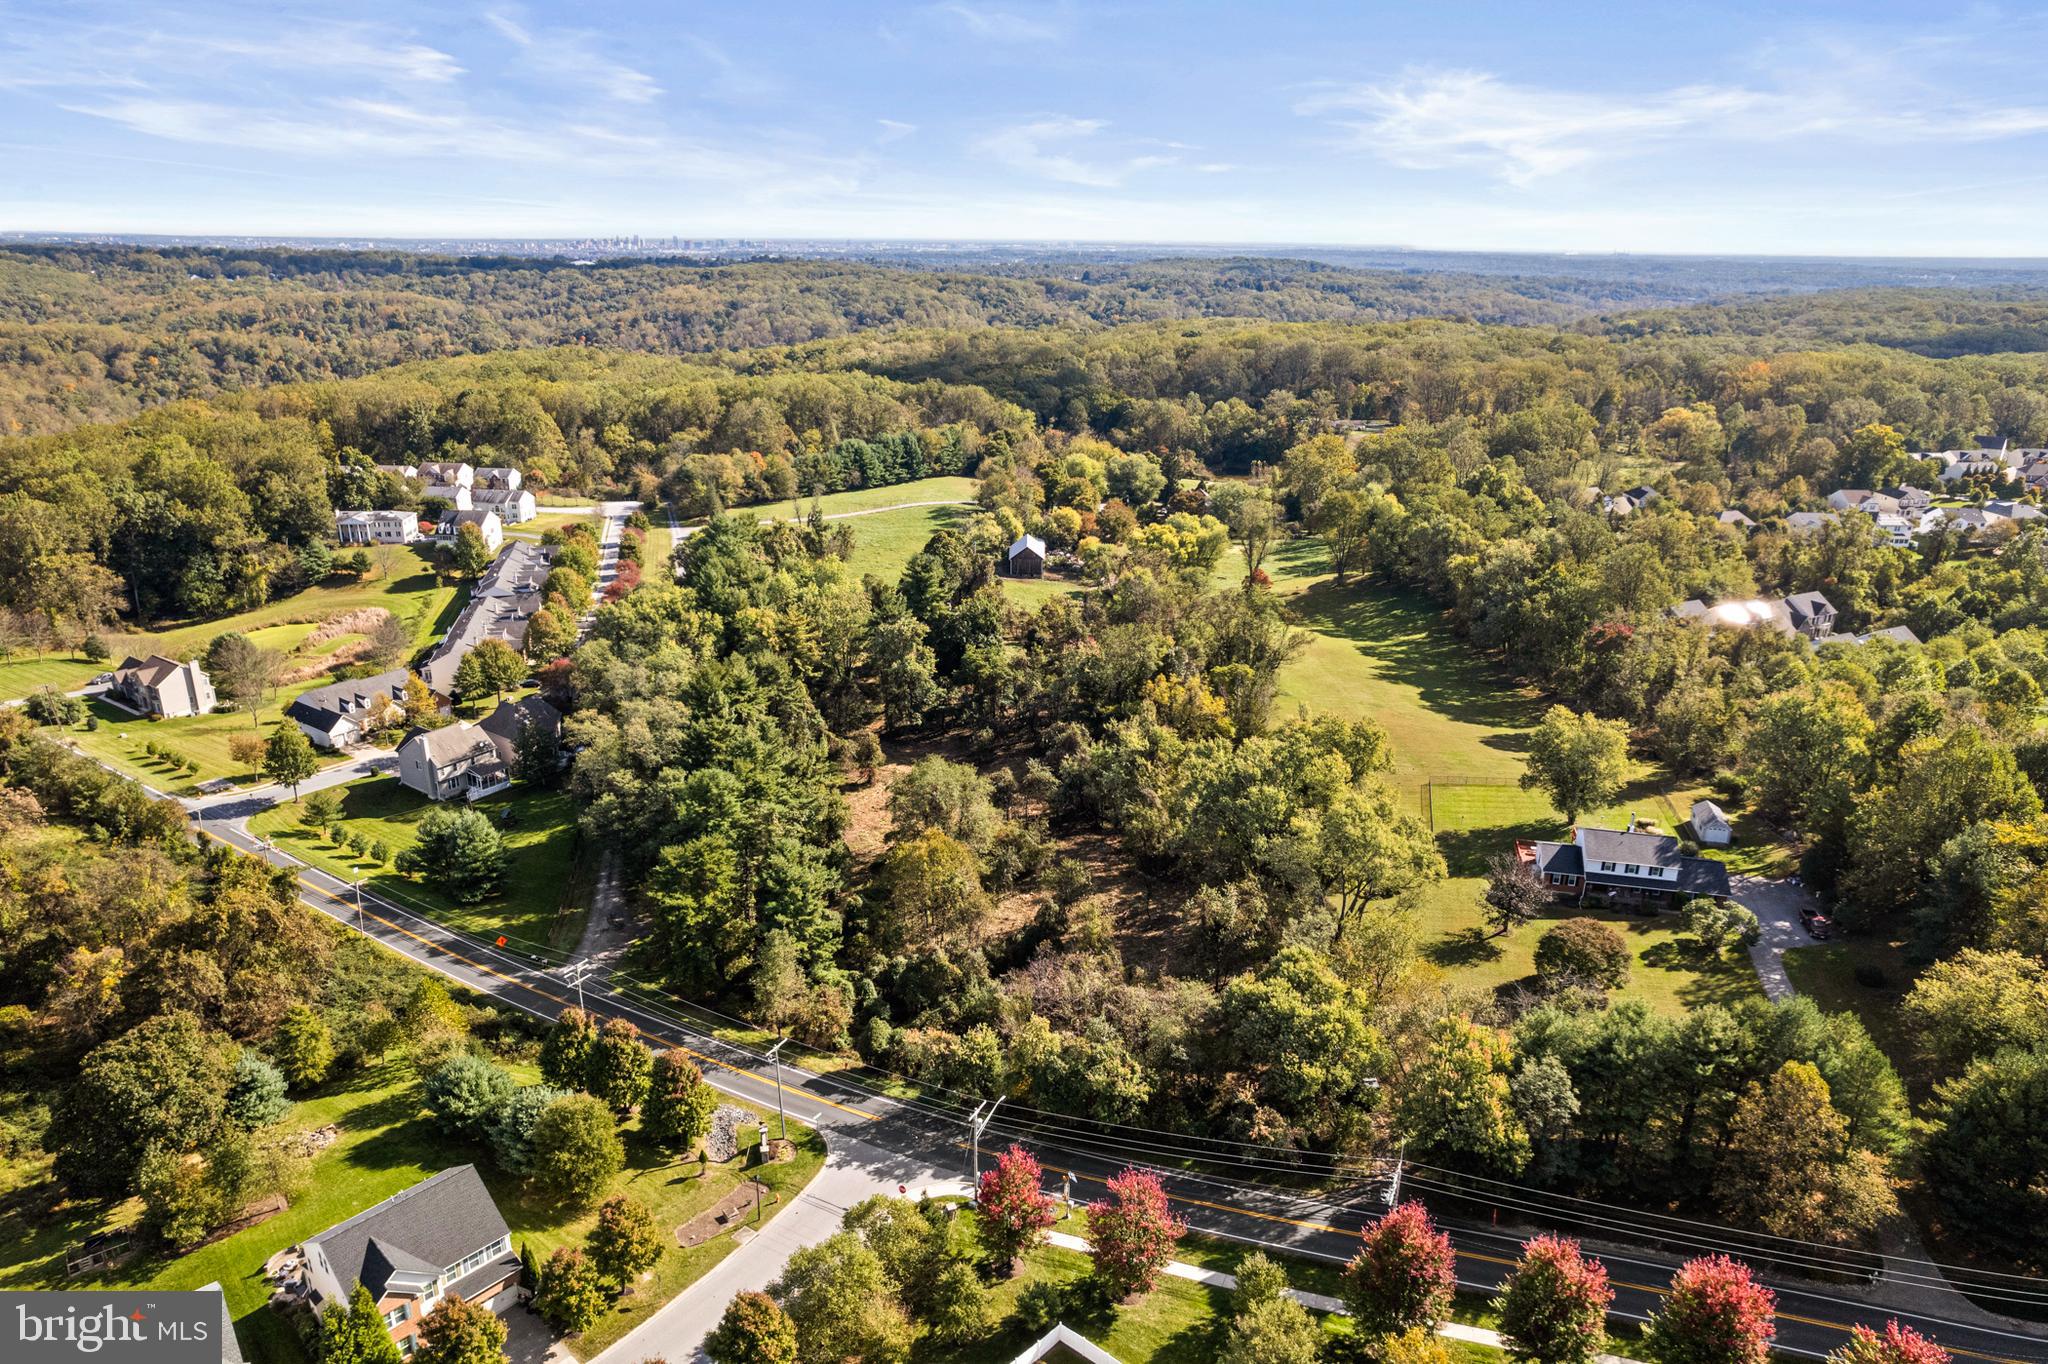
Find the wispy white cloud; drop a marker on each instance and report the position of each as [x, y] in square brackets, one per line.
[1439, 119]
[572, 58]
[1039, 148]
[1000, 25]
[895, 129]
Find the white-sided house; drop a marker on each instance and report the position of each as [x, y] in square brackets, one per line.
[1710, 825]
[340, 713]
[163, 687]
[485, 520]
[449, 480]
[514, 506]
[376, 527]
[472, 761]
[498, 477]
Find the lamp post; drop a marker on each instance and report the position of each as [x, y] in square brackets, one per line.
[773, 1056]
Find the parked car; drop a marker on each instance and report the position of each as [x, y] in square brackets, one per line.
[1816, 923]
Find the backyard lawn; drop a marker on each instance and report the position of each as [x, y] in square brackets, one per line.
[1827, 972]
[547, 887]
[386, 1143]
[121, 738]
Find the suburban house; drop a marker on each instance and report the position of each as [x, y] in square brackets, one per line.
[376, 527]
[472, 761]
[1621, 504]
[1732, 517]
[1894, 529]
[340, 713]
[1899, 633]
[1710, 824]
[449, 480]
[1863, 500]
[486, 521]
[1025, 558]
[500, 605]
[496, 476]
[442, 1236]
[1803, 613]
[1971, 468]
[513, 505]
[162, 687]
[398, 470]
[1609, 866]
[1912, 501]
[2013, 511]
[1976, 520]
[1809, 523]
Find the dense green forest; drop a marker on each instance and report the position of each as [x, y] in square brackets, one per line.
[98, 333]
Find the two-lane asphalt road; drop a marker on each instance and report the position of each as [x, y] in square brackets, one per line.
[1225, 1197]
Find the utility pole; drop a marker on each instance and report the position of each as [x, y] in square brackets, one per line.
[980, 1124]
[1393, 1193]
[780, 1111]
[575, 971]
[358, 874]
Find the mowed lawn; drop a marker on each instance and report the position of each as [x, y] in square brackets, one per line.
[121, 740]
[403, 581]
[387, 1143]
[545, 521]
[546, 897]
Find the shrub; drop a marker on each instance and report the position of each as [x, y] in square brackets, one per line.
[509, 1129]
[1898, 1345]
[1716, 1313]
[1015, 1211]
[1133, 1232]
[1553, 1309]
[464, 1093]
[754, 1330]
[1040, 1306]
[572, 1293]
[256, 1094]
[576, 1149]
[1403, 1276]
[1582, 952]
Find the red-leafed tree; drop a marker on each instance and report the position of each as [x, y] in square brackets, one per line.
[1717, 1313]
[1015, 1211]
[1403, 1276]
[1554, 1308]
[1898, 1345]
[1133, 1233]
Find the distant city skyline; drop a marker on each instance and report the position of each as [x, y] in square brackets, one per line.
[1795, 129]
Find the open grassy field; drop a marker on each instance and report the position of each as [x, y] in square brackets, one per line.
[950, 488]
[547, 889]
[386, 1144]
[404, 582]
[121, 738]
[545, 521]
[884, 542]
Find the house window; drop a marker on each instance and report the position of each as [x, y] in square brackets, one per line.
[1656, 871]
[1633, 869]
[1607, 866]
[395, 1315]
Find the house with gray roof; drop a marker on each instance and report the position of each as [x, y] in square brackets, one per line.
[1803, 613]
[341, 713]
[1737, 518]
[443, 1236]
[472, 761]
[1025, 558]
[162, 687]
[1623, 869]
[499, 607]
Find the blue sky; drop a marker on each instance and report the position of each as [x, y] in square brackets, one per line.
[1820, 128]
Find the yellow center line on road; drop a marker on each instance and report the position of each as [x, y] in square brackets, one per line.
[1305, 1225]
[1660, 1290]
[471, 962]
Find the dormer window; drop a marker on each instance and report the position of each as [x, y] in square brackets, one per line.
[1633, 869]
[1656, 871]
[1607, 866]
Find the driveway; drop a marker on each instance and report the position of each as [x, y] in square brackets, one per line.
[1776, 905]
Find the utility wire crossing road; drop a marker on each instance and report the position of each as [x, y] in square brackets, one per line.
[1813, 1318]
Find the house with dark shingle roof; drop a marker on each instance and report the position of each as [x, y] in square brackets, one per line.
[340, 713]
[1613, 867]
[442, 1236]
[499, 607]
